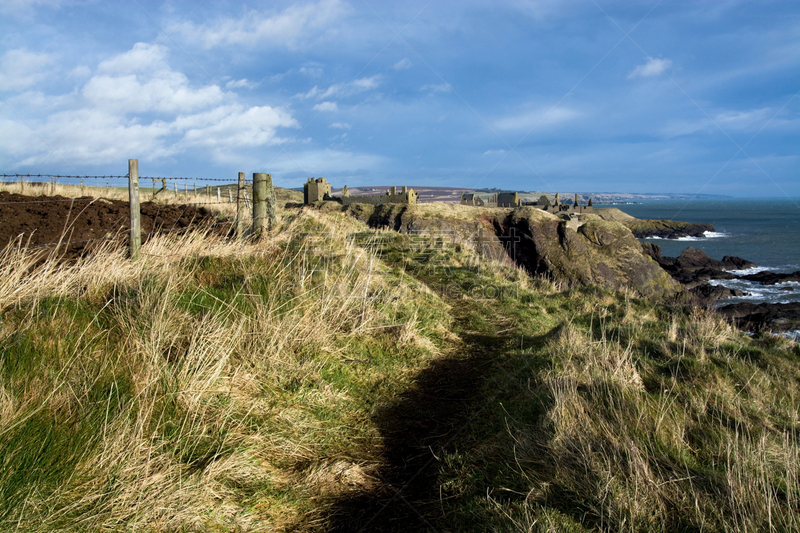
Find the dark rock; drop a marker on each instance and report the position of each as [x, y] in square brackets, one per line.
[693, 268]
[692, 277]
[694, 258]
[731, 262]
[667, 229]
[706, 294]
[763, 317]
[653, 250]
[771, 278]
[600, 252]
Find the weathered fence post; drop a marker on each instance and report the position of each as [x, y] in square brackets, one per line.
[272, 219]
[259, 203]
[185, 189]
[21, 185]
[219, 198]
[230, 197]
[194, 188]
[136, 220]
[81, 186]
[175, 186]
[241, 207]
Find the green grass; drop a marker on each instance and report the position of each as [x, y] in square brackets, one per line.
[300, 383]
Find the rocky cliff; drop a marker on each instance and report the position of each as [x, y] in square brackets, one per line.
[600, 252]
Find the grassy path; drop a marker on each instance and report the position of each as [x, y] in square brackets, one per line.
[453, 404]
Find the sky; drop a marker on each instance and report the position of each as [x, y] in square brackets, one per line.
[570, 96]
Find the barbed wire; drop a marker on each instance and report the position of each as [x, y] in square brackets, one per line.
[62, 176]
[231, 181]
[94, 199]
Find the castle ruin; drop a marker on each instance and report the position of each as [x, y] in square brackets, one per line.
[316, 190]
[555, 206]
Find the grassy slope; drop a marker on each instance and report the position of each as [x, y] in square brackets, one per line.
[333, 377]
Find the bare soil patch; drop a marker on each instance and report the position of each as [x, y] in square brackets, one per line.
[87, 222]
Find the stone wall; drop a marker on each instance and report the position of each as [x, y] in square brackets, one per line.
[410, 196]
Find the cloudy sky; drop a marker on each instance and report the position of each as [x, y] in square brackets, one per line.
[583, 95]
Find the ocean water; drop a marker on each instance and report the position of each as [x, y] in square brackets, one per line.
[763, 231]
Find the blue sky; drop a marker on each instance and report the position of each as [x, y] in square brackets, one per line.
[587, 96]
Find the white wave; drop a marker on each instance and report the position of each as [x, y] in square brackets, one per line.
[689, 238]
[791, 335]
[752, 270]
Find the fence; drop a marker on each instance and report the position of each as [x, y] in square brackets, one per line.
[257, 195]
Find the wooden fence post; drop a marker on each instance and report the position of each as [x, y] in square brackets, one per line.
[81, 186]
[136, 220]
[21, 185]
[259, 203]
[241, 207]
[269, 196]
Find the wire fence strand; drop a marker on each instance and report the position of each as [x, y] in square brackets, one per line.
[165, 192]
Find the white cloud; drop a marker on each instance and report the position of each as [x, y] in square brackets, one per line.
[653, 67]
[20, 69]
[493, 152]
[81, 71]
[538, 117]
[402, 64]
[295, 27]
[152, 113]
[326, 106]
[341, 125]
[437, 88]
[357, 86]
[731, 120]
[233, 84]
[314, 72]
[122, 84]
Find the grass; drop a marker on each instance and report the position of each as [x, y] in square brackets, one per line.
[331, 377]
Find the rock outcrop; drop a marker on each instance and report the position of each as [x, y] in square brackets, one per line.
[763, 317]
[667, 229]
[693, 267]
[771, 278]
[598, 253]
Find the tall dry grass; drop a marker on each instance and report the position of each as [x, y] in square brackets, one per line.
[191, 389]
[697, 438]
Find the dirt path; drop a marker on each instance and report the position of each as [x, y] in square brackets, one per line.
[447, 410]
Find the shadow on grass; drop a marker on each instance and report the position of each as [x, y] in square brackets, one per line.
[454, 405]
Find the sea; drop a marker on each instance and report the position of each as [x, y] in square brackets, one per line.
[765, 231]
